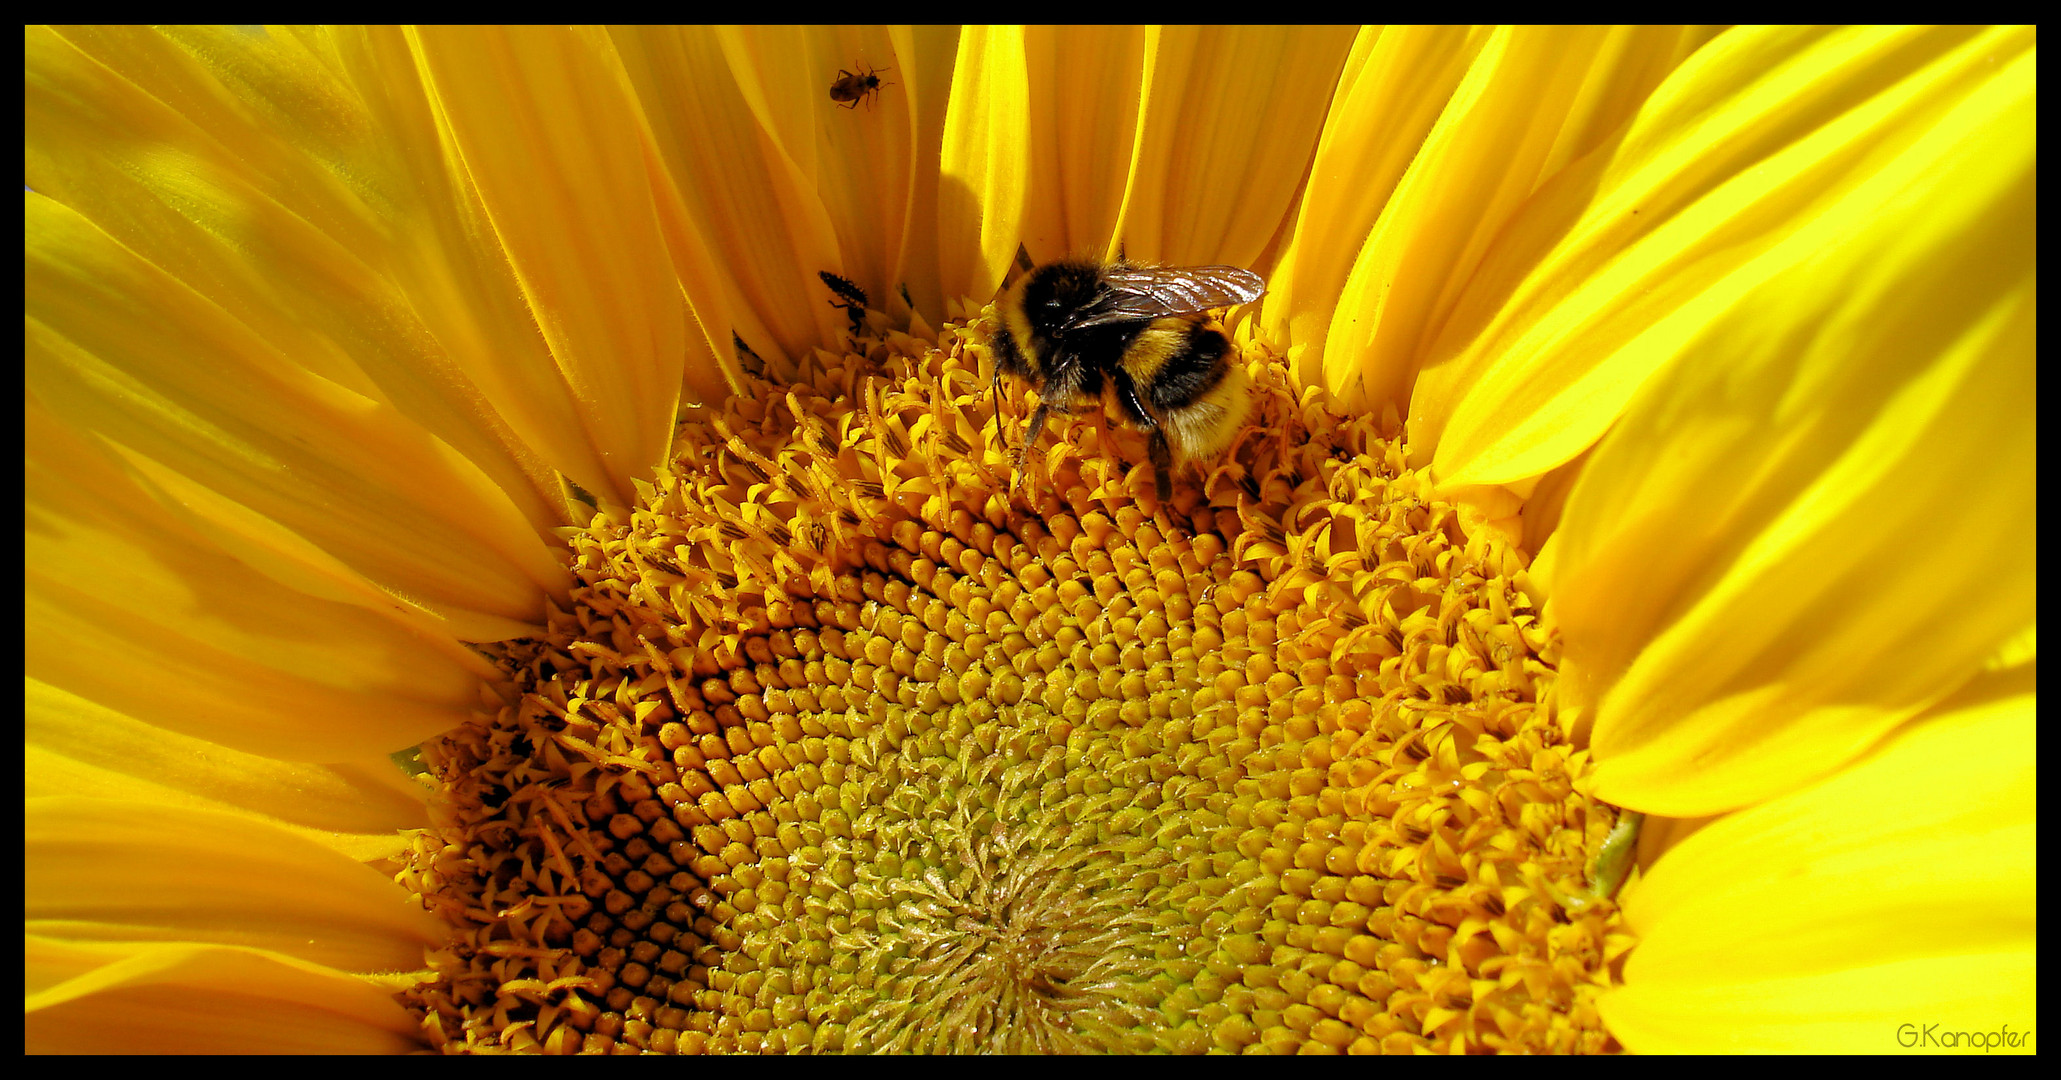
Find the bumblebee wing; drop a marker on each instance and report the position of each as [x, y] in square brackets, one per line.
[1151, 292]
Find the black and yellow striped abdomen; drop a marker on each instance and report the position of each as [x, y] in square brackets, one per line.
[1187, 383]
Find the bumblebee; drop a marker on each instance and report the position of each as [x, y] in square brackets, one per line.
[1068, 326]
[850, 89]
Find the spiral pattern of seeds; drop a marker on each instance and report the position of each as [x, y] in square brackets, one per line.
[841, 748]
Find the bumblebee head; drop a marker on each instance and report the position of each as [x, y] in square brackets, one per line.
[1055, 294]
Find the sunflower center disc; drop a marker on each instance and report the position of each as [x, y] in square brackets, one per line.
[843, 748]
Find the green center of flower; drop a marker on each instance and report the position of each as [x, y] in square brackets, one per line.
[843, 747]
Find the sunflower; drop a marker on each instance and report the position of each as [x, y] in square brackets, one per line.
[581, 586]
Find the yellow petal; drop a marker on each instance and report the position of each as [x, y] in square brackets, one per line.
[1223, 138]
[294, 178]
[1532, 99]
[1762, 150]
[136, 131]
[845, 168]
[132, 608]
[983, 162]
[1822, 518]
[1894, 897]
[736, 133]
[1395, 84]
[73, 746]
[554, 146]
[91, 998]
[110, 870]
[117, 347]
[1087, 88]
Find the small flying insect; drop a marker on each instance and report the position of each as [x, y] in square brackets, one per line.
[850, 89]
[1069, 325]
[851, 299]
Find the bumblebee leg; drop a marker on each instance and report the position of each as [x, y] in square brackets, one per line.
[1162, 465]
[1037, 425]
[1162, 454]
[1127, 396]
[1030, 438]
[1001, 436]
[1031, 433]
